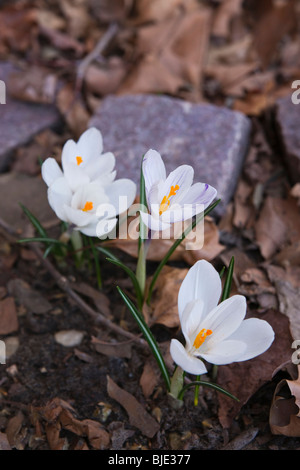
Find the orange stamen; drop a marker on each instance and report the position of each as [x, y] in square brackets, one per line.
[201, 337]
[88, 206]
[79, 160]
[166, 199]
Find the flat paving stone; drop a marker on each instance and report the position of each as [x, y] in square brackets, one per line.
[287, 115]
[214, 140]
[20, 121]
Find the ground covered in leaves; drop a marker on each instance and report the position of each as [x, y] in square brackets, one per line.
[71, 380]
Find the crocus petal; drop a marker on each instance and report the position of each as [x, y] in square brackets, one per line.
[257, 334]
[75, 176]
[121, 194]
[153, 169]
[51, 171]
[199, 193]
[90, 144]
[191, 320]
[225, 352]
[69, 153]
[182, 176]
[100, 166]
[77, 216]
[59, 194]
[225, 319]
[153, 223]
[201, 282]
[89, 192]
[184, 360]
[105, 227]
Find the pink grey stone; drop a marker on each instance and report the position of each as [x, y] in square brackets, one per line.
[214, 140]
[287, 116]
[20, 121]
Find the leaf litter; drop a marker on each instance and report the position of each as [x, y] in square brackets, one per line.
[152, 51]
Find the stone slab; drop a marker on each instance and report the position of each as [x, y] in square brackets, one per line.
[21, 121]
[287, 115]
[214, 140]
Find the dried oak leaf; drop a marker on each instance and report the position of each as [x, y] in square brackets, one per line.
[287, 286]
[138, 416]
[243, 379]
[166, 57]
[284, 416]
[164, 309]
[60, 415]
[278, 225]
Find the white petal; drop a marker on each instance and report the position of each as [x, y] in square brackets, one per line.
[51, 171]
[91, 192]
[153, 223]
[201, 282]
[105, 227]
[90, 144]
[153, 169]
[225, 319]
[199, 193]
[69, 153]
[78, 217]
[121, 194]
[225, 352]
[182, 176]
[100, 166]
[257, 334]
[59, 194]
[184, 360]
[75, 176]
[191, 321]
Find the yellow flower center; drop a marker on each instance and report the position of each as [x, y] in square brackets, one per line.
[79, 160]
[201, 337]
[88, 206]
[166, 199]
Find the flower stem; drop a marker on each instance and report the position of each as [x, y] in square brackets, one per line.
[175, 245]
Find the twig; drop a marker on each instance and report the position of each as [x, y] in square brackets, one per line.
[95, 53]
[63, 283]
[97, 317]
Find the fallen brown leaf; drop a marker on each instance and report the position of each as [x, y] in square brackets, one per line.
[164, 309]
[284, 413]
[287, 286]
[149, 378]
[278, 225]
[59, 416]
[138, 416]
[8, 316]
[243, 379]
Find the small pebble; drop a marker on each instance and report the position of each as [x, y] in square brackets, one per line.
[69, 338]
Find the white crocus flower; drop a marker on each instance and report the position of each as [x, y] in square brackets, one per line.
[216, 333]
[83, 208]
[172, 198]
[82, 162]
[85, 191]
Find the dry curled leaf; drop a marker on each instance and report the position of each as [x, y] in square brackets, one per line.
[164, 309]
[284, 412]
[243, 379]
[138, 416]
[60, 415]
